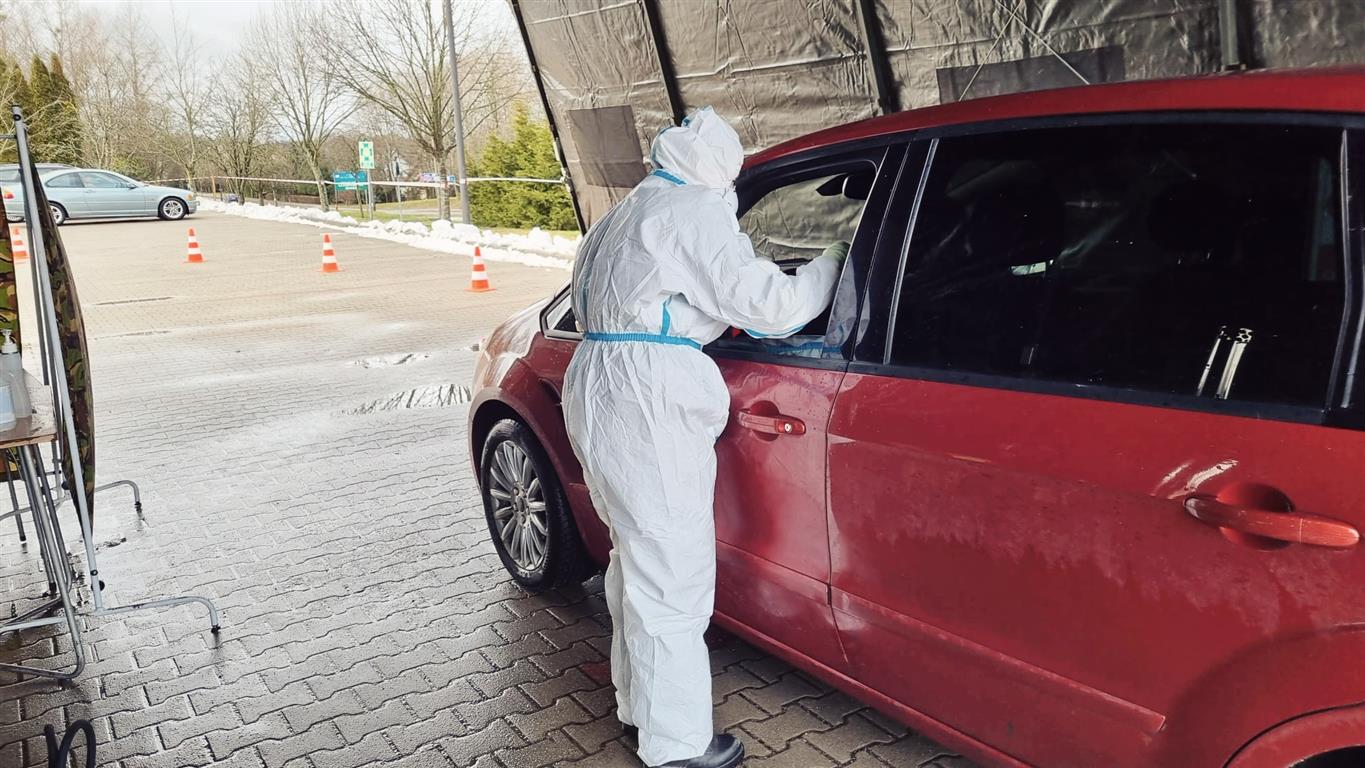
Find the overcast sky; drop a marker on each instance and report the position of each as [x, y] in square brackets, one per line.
[218, 25]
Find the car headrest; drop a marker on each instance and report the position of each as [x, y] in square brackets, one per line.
[1015, 225]
[1190, 217]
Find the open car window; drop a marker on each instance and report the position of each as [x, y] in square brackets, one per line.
[791, 225]
[558, 318]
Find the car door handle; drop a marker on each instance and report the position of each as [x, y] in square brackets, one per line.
[770, 424]
[1289, 527]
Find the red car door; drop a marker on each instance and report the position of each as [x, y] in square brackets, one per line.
[772, 543]
[1086, 506]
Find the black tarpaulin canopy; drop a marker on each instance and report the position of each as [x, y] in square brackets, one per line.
[612, 73]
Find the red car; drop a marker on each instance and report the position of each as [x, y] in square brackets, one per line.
[1072, 472]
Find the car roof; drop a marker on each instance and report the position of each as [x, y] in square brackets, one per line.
[39, 166]
[1314, 90]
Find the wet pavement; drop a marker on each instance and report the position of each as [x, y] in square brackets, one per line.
[299, 440]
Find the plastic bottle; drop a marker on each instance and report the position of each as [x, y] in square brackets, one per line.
[12, 373]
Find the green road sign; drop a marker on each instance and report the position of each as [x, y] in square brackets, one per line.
[367, 154]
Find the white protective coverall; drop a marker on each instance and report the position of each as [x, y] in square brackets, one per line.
[662, 273]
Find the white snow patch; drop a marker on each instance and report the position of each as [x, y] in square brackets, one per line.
[536, 248]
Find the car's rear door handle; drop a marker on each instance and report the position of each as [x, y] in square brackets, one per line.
[1289, 527]
[770, 424]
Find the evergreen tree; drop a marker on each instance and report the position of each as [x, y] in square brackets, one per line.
[38, 108]
[13, 90]
[65, 122]
[529, 153]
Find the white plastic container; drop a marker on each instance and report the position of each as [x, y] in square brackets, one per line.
[7, 419]
[12, 374]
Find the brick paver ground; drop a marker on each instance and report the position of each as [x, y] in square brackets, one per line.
[366, 617]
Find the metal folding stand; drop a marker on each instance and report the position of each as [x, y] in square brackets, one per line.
[41, 501]
[24, 442]
[17, 512]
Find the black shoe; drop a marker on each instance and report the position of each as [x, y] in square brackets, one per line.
[632, 733]
[725, 751]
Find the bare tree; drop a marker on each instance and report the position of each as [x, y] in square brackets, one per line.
[185, 96]
[123, 114]
[392, 54]
[310, 102]
[238, 120]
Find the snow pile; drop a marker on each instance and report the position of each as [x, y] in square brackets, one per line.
[536, 248]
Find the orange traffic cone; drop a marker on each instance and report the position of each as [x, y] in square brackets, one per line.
[329, 257]
[478, 276]
[195, 256]
[18, 248]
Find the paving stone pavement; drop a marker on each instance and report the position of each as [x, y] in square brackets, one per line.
[366, 619]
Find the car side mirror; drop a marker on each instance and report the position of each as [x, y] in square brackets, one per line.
[130, 186]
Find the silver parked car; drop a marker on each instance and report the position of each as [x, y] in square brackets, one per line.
[87, 193]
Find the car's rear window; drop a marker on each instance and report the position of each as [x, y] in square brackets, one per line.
[1200, 260]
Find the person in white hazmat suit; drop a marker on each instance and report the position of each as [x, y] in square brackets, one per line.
[664, 272]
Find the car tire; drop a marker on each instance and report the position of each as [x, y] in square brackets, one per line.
[58, 213]
[171, 209]
[521, 491]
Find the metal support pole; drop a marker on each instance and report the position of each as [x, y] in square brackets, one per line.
[887, 97]
[666, 74]
[14, 499]
[54, 550]
[1229, 35]
[63, 412]
[47, 314]
[460, 175]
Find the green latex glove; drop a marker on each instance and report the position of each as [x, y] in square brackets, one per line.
[838, 251]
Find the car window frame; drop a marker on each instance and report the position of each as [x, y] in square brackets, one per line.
[1347, 406]
[558, 306]
[873, 347]
[888, 152]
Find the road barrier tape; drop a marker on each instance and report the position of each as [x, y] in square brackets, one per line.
[329, 182]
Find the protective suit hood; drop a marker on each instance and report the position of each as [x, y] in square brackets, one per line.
[704, 150]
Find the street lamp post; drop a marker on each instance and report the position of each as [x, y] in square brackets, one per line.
[459, 117]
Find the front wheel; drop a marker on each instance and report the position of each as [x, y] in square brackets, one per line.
[171, 209]
[58, 214]
[528, 516]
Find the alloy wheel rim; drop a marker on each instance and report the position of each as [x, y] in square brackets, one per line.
[57, 216]
[173, 209]
[518, 507]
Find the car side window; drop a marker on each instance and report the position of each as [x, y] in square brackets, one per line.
[792, 224]
[65, 181]
[102, 181]
[559, 316]
[1198, 260]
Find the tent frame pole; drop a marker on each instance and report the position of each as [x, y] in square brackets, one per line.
[888, 98]
[666, 73]
[1230, 35]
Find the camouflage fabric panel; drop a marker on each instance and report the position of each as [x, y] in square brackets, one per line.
[9, 305]
[9, 299]
[74, 355]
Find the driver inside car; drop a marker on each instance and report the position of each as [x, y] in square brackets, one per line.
[663, 273]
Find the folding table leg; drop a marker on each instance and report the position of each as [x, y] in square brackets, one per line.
[14, 499]
[45, 512]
